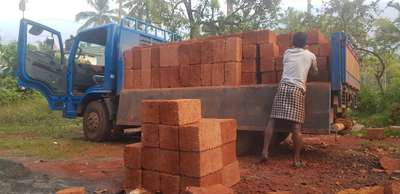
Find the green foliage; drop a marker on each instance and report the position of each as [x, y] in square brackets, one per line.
[206, 17]
[102, 14]
[8, 57]
[9, 91]
[370, 101]
[250, 15]
[161, 12]
[387, 34]
[354, 17]
[376, 109]
[29, 128]
[293, 21]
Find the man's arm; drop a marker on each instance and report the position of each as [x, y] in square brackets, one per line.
[314, 65]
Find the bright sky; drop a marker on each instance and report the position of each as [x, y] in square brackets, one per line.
[60, 14]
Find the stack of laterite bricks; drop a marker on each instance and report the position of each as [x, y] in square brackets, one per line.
[317, 44]
[214, 61]
[179, 148]
[260, 50]
[247, 58]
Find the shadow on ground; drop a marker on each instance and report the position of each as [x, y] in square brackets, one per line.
[16, 178]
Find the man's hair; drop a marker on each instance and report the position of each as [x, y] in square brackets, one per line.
[299, 39]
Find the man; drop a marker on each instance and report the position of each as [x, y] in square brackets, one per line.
[289, 103]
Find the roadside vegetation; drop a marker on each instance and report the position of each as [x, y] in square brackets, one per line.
[28, 128]
[377, 108]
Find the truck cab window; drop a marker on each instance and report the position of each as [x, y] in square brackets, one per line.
[43, 59]
[89, 66]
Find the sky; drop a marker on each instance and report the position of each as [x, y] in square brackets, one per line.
[60, 14]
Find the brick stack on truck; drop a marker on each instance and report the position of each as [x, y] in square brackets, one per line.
[234, 75]
[248, 58]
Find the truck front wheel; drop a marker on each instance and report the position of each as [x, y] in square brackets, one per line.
[96, 123]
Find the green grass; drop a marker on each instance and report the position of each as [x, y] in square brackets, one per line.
[28, 128]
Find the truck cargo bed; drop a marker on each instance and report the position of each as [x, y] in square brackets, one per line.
[249, 105]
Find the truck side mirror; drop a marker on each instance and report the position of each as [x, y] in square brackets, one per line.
[35, 30]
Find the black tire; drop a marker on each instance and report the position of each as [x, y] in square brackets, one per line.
[96, 122]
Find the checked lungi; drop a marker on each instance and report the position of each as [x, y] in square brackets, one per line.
[289, 103]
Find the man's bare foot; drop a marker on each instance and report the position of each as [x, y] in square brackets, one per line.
[264, 160]
[298, 164]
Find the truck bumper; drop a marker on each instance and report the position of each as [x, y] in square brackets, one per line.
[249, 105]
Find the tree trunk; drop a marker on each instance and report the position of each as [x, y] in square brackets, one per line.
[194, 26]
[119, 10]
[229, 7]
[379, 72]
[379, 82]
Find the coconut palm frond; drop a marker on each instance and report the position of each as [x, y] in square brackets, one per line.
[102, 14]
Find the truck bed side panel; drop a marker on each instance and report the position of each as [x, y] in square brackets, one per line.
[250, 105]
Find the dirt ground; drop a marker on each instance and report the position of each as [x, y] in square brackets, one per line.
[330, 166]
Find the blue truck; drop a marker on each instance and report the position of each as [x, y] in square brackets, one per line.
[95, 91]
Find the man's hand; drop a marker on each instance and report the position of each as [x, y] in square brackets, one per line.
[314, 71]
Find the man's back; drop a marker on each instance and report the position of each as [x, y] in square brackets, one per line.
[296, 64]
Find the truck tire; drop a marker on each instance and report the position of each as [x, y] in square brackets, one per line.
[96, 123]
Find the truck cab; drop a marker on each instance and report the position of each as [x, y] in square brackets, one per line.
[87, 75]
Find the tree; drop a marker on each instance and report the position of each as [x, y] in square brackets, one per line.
[8, 58]
[246, 15]
[296, 21]
[204, 17]
[163, 13]
[386, 35]
[382, 46]
[353, 17]
[388, 32]
[378, 63]
[120, 11]
[102, 14]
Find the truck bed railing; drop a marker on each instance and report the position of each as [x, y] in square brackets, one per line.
[147, 28]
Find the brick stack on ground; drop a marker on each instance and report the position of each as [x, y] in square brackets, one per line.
[237, 59]
[179, 148]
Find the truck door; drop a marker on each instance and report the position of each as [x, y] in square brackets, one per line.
[41, 62]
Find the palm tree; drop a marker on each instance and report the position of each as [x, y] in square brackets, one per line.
[120, 10]
[102, 14]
